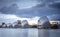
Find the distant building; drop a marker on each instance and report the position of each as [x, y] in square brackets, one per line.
[18, 25]
[25, 24]
[34, 26]
[0, 26]
[59, 24]
[44, 22]
[4, 25]
[10, 26]
[54, 24]
[18, 21]
[7, 25]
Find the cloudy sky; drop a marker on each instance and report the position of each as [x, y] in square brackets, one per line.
[29, 9]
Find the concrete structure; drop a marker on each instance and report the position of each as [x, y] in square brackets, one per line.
[4, 25]
[44, 22]
[25, 23]
[18, 25]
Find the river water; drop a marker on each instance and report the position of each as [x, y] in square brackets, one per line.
[30, 32]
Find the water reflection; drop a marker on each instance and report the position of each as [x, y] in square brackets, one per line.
[55, 33]
[13, 32]
[33, 33]
[49, 33]
[29, 32]
[43, 33]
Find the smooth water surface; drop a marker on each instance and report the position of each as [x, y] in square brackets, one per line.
[29, 32]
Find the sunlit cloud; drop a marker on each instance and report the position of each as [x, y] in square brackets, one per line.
[34, 20]
[8, 18]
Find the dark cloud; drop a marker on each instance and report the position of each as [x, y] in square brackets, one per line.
[55, 17]
[55, 5]
[38, 10]
[47, 1]
[14, 9]
[39, 5]
[6, 2]
[44, 10]
[8, 10]
[9, 1]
